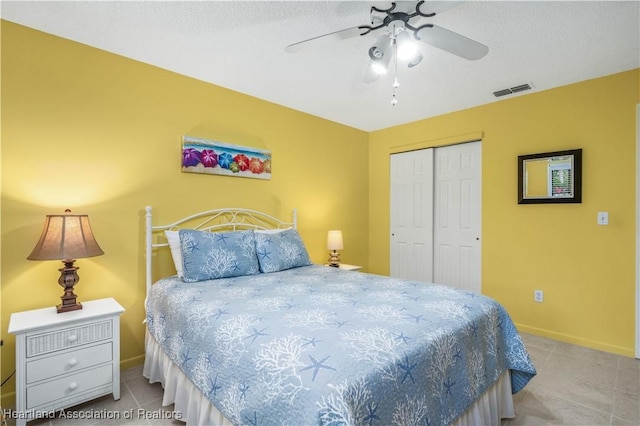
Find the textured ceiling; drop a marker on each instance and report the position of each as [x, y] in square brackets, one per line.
[240, 45]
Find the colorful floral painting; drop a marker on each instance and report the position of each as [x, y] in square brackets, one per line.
[217, 158]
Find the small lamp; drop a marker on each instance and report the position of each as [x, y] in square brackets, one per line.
[334, 243]
[66, 237]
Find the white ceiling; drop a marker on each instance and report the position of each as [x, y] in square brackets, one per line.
[240, 45]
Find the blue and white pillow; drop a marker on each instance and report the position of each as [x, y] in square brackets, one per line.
[212, 255]
[280, 251]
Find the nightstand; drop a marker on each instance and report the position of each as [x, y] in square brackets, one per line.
[65, 359]
[347, 267]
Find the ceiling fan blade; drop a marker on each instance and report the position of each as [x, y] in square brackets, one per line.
[334, 36]
[429, 7]
[451, 42]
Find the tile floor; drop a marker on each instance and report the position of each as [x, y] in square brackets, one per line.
[574, 386]
[578, 386]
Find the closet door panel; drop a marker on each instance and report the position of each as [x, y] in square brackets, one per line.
[412, 215]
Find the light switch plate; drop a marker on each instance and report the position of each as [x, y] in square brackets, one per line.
[603, 218]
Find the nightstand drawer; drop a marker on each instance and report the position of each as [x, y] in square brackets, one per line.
[68, 386]
[42, 343]
[67, 362]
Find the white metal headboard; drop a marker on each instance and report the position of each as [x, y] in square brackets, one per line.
[229, 219]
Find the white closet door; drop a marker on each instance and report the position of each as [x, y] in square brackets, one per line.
[457, 216]
[412, 215]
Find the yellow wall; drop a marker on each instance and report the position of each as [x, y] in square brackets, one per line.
[587, 272]
[101, 134]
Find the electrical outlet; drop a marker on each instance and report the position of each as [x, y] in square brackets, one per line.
[538, 296]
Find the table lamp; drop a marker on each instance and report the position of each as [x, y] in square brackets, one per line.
[334, 243]
[66, 237]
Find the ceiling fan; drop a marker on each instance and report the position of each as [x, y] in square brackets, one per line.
[402, 23]
[398, 19]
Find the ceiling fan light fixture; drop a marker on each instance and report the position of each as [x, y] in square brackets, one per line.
[407, 47]
[416, 60]
[381, 48]
[375, 53]
[380, 54]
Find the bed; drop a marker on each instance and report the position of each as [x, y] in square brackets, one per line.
[249, 331]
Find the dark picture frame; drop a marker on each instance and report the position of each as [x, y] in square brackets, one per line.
[561, 178]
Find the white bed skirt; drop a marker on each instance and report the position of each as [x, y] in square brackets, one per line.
[495, 404]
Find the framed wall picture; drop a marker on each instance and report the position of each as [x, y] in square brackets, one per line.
[550, 177]
[219, 158]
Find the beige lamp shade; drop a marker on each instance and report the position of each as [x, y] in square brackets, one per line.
[66, 236]
[334, 240]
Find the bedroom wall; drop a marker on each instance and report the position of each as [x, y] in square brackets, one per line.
[100, 134]
[587, 272]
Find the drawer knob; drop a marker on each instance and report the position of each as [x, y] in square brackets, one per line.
[73, 362]
[73, 386]
[72, 338]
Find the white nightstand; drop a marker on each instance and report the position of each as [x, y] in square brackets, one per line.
[347, 267]
[65, 359]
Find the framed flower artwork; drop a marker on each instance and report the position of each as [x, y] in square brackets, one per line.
[218, 158]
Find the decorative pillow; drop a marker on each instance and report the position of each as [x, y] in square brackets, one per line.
[280, 251]
[212, 255]
[173, 238]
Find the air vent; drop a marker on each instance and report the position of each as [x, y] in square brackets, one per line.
[502, 92]
[515, 89]
[520, 88]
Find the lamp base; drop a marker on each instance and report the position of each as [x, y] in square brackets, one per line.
[334, 259]
[71, 306]
[68, 279]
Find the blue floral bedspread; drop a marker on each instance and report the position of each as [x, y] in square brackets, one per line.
[318, 345]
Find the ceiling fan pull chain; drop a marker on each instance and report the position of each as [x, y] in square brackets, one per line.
[396, 84]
